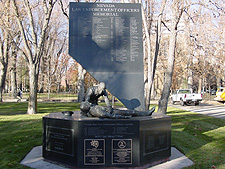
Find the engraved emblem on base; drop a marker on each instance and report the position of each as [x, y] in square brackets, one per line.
[94, 152]
[122, 151]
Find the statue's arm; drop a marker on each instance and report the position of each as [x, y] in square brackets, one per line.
[107, 102]
[88, 95]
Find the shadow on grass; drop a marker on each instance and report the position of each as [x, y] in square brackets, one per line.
[18, 135]
[20, 132]
[21, 108]
[201, 138]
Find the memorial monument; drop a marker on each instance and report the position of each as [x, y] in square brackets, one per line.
[106, 39]
[90, 108]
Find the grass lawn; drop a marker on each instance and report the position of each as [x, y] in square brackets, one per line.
[44, 96]
[200, 138]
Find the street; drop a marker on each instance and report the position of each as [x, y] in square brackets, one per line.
[214, 110]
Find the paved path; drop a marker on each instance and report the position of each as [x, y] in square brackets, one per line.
[214, 110]
[35, 160]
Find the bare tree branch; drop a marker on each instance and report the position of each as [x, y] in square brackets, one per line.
[165, 26]
[63, 10]
[33, 34]
[29, 58]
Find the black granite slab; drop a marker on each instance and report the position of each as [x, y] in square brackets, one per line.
[107, 40]
[83, 142]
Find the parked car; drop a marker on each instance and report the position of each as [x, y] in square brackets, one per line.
[220, 94]
[185, 96]
[213, 92]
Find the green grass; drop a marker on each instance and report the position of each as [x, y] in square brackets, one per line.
[19, 132]
[44, 96]
[200, 138]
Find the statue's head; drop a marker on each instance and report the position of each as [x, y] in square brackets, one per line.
[101, 87]
[85, 107]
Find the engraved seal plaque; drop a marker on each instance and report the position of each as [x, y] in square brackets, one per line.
[122, 151]
[94, 152]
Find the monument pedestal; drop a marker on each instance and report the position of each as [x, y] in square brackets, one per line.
[84, 142]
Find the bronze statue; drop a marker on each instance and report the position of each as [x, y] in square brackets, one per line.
[94, 92]
[90, 108]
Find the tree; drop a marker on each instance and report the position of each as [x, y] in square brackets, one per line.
[147, 54]
[54, 47]
[207, 37]
[151, 61]
[52, 65]
[62, 68]
[13, 71]
[33, 38]
[4, 43]
[81, 71]
[80, 85]
[177, 10]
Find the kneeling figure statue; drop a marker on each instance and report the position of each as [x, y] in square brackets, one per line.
[90, 108]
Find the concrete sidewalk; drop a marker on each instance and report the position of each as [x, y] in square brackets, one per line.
[206, 108]
[35, 160]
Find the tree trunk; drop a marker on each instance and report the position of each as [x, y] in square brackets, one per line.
[152, 67]
[59, 84]
[80, 87]
[13, 73]
[147, 61]
[171, 58]
[169, 73]
[200, 85]
[3, 68]
[190, 79]
[41, 87]
[2, 79]
[4, 51]
[218, 82]
[49, 88]
[150, 62]
[67, 85]
[33, 52]
[33, 74]
[13, 82]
